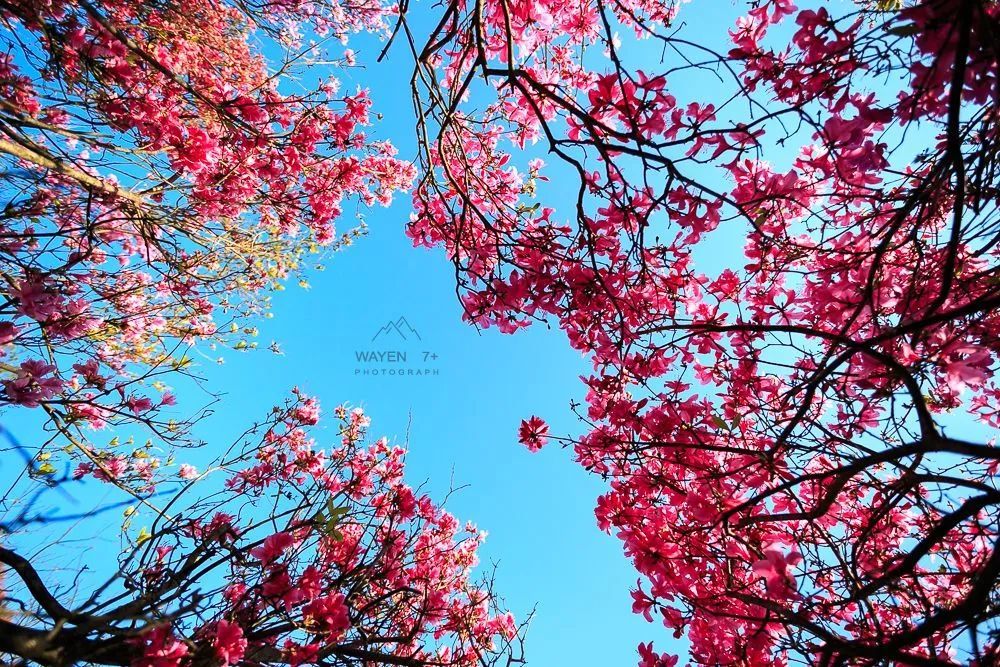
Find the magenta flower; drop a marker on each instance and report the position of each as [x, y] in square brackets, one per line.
[533, 433]
[229, 644]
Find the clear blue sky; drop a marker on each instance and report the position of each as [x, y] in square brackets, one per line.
[462, 428]
[461, 424]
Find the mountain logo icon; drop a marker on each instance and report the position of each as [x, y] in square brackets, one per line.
[399, 328]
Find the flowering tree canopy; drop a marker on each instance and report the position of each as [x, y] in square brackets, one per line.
[774, 427]
[159, 179]
[301, 556]
[157, 182]
[795, 436]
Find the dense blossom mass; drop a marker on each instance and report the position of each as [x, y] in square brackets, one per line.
[781, 431]
[781, 259]
[300, 556]
[157, 182]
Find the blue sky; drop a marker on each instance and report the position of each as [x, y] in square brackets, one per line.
[460, 425]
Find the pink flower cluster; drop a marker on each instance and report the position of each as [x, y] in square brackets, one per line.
[358, 561]
[767, 423]
[185, 184]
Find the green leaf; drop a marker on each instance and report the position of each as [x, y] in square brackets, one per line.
[327, 521]
[335, 512]
[906, 30]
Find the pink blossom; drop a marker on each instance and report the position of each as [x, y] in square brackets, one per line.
[968, 367]
[649, 658]
[83, 469]
[307, 410]
[138, 404]
[37, 299]
[229, 642]
[775, 567]
[8, 332]
[111, 469]
[160, 649]
[328, 615]
[90, 372]
[35, 382]
[272, 548]
[533, 433]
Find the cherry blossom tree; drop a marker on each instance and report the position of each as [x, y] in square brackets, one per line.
[297, 555]
[796, 437]
[164, 166]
